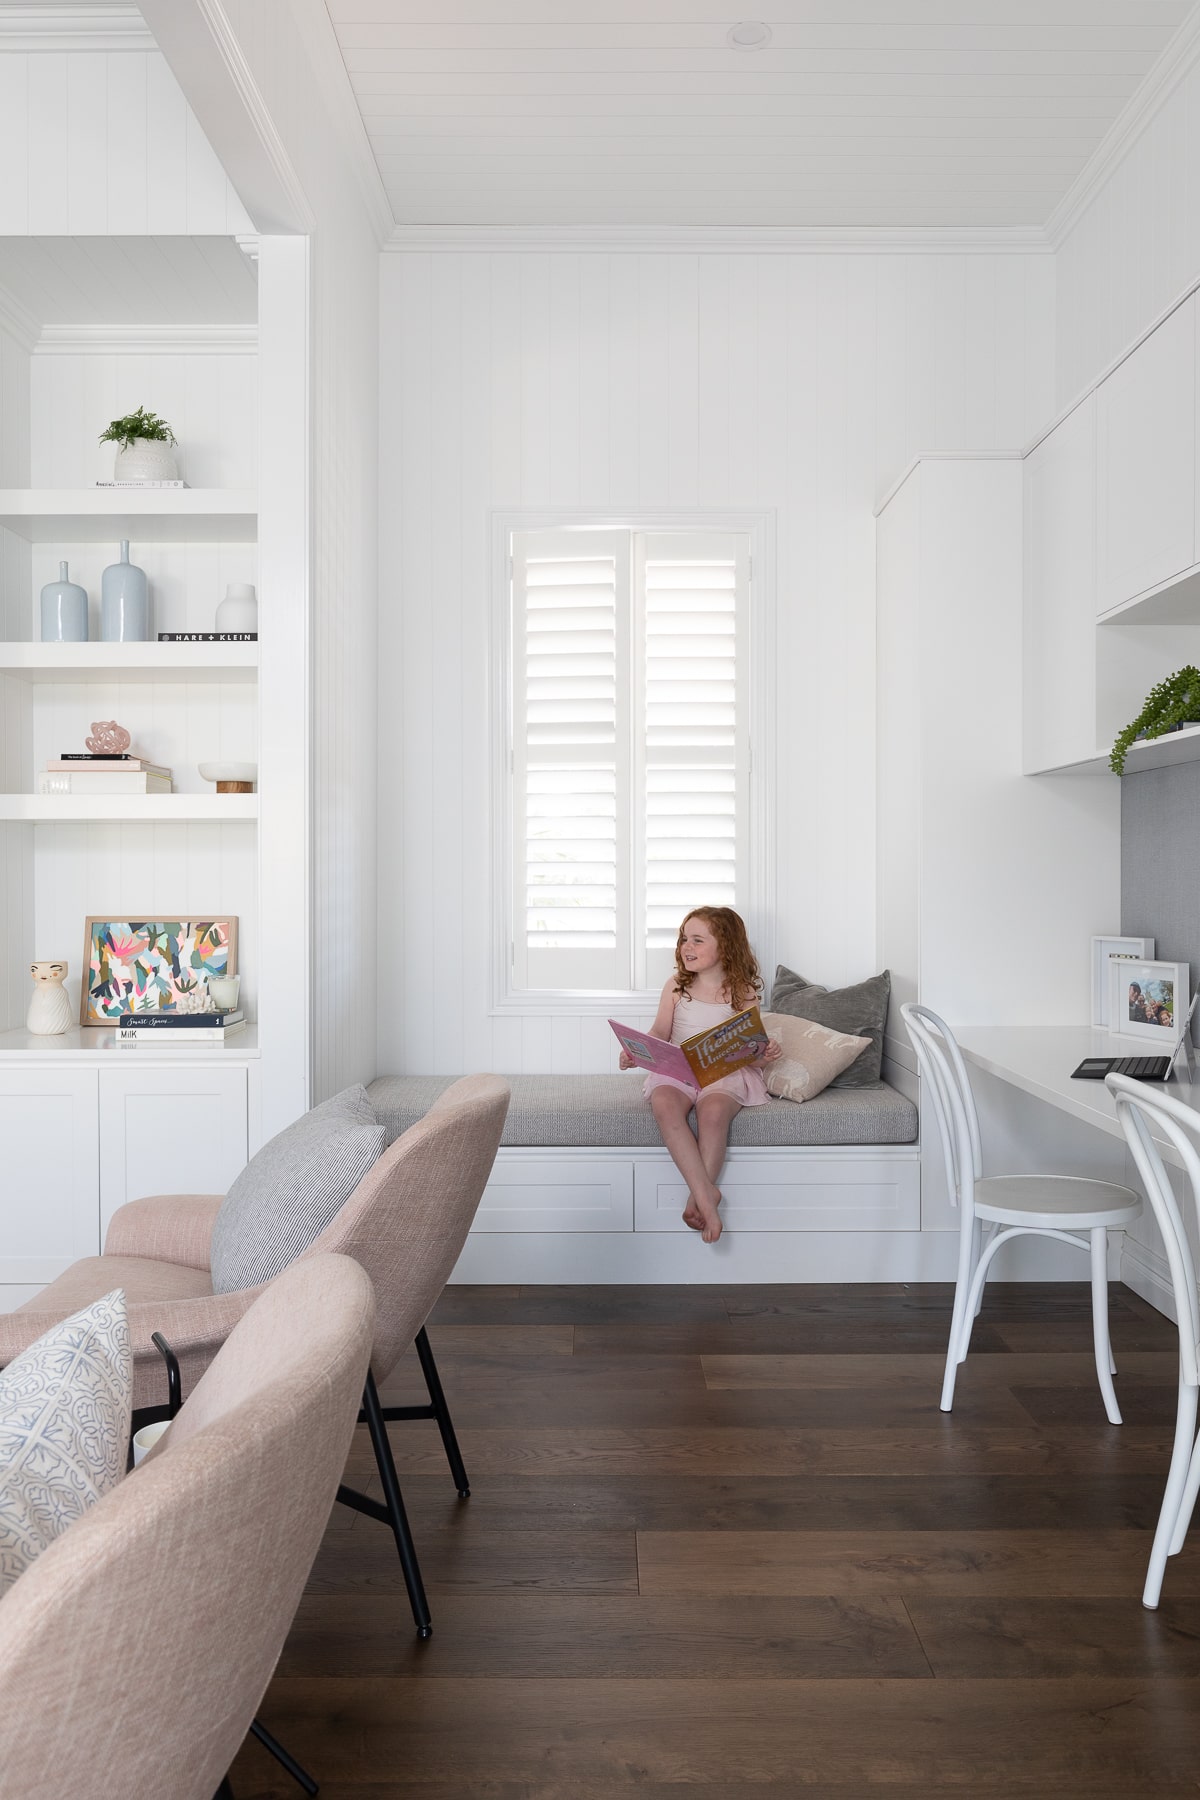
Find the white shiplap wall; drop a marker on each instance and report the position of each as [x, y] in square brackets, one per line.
[613, 383]
[1136, 247]
[16, 873]
[95, 141]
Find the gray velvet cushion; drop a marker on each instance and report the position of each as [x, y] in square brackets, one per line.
[860, 1010]
[288, 1193]
[582, 1110]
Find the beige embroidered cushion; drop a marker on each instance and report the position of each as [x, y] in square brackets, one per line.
[812, 1055]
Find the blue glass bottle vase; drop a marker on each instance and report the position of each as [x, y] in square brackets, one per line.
[64, 611]
[124, 602]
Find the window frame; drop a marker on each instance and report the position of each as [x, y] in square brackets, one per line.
[759, 908]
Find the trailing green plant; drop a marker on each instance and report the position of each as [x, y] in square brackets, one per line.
[1174, 701]
[141, 424]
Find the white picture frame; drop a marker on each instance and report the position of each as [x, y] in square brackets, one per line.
[1138, 987]
[1102, 949]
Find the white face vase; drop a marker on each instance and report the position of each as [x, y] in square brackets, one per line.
[49, 1009]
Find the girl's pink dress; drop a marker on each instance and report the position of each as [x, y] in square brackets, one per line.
[746, 1085]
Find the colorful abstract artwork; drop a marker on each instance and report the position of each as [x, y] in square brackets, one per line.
[153, 965]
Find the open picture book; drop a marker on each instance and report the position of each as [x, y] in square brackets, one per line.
[701, 1059]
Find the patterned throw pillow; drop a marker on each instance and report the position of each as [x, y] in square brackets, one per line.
[813, 1056]
[290, 1191]
[64, 1429]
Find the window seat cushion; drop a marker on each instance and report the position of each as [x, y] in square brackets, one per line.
[564, 1110]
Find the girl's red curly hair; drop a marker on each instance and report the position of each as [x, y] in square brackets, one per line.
[737, 958]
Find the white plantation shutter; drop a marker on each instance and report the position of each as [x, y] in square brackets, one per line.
[629, 756]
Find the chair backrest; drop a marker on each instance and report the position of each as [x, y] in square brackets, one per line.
[1143, 1111]
[407, 1220]
[135, 1650]
[944, 1073]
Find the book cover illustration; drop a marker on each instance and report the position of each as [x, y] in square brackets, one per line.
[702, 1059]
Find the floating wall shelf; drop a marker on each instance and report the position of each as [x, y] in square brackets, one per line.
[130, 662]
[144, 809]
[146, 515]
[1152, 753]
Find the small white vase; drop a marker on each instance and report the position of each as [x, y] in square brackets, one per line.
[146, 459]
[238, 611]
[49, 1009]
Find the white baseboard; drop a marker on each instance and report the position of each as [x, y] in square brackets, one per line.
[657, 1258]
[1146, 1272]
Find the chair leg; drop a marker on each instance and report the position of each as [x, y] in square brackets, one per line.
[1100, 1323]
[1187, 1504]
[441, 1413]
[398, 1518]
[225, 1792]
[960, 1324]
[1169, 1513]
[283, 1757]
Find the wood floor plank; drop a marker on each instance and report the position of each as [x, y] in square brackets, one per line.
[901, 1562]
[1053, 1337]
[1012, 1369]
[549, 1636]
[480, 1561]
[1034, 1737]
[1054, 1636]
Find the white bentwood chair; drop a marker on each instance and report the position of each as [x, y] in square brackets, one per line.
[994, 1208]
[1142, 1111]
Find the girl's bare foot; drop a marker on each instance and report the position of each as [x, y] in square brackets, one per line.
[692, 1216]
[710, 1229]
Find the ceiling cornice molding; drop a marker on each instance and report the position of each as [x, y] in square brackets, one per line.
[18, 323]
[1142, 107]
[722, 240]
[257, 112]
[147, 340]
[60, 28]
[342, 109]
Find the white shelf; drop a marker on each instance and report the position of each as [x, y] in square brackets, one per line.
[147, 515]
[130, 662]
[1150, 753]
[86, 1043]
[144, 809]
[1172, 602]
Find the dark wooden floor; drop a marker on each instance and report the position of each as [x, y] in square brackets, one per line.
[723, 1541]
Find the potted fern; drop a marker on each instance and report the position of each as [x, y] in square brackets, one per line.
[145, 448]
[1172, 704]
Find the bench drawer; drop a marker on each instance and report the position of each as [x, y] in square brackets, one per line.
[851, 1192]
[548, 1193]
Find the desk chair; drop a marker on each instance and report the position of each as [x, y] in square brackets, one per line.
[992, 1209]
[1143, 1110]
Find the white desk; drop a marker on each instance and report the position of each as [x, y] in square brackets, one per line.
[1039, 1059]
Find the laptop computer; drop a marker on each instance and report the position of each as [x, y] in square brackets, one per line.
[1141, 1068]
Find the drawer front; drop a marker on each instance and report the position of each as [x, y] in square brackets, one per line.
[557, 1194]
[827, 1194]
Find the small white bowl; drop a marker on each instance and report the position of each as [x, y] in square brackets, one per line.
[228, 771]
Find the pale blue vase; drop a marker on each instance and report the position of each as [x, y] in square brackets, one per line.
[64, 611]
[124, 603]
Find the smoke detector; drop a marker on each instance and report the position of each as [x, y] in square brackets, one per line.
[750, 34]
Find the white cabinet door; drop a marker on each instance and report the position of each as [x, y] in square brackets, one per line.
[1146, 485]
[49, 1193]
[169, 1131]
[1059, 647]
[842, 1190]
[572, 1192]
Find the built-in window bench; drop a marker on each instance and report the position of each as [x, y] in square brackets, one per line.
[583, 1189]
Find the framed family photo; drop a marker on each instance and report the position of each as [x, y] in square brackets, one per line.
[1102, 949]
[1148, 999]
[152, 965]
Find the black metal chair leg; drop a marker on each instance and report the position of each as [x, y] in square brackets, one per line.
[283, 1757]
[441, 1413]
[398, 1518]
[225, 1792]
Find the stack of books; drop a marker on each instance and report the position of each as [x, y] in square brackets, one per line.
[180, 1031]
[81, 772]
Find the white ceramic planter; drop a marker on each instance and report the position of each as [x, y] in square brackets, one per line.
[147, 459]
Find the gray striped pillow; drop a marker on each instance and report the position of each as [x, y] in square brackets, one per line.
[288, 1193]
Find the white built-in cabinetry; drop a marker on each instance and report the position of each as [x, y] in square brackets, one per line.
[1112, 557]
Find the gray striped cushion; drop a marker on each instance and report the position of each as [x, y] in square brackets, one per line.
[287, 1194]
[562, 1110]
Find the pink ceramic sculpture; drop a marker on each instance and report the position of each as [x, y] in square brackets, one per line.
[108, 738]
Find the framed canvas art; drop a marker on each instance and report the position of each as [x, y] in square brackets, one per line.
[152, 965]
[1147, 999]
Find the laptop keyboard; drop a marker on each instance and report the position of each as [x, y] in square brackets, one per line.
[1142, 1068]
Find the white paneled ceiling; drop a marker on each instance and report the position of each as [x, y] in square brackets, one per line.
[856, 113]
[128, 280]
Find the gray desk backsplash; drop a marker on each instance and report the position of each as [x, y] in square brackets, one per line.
[1160, 862]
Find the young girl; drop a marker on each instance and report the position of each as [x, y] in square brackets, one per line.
[715, 976]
